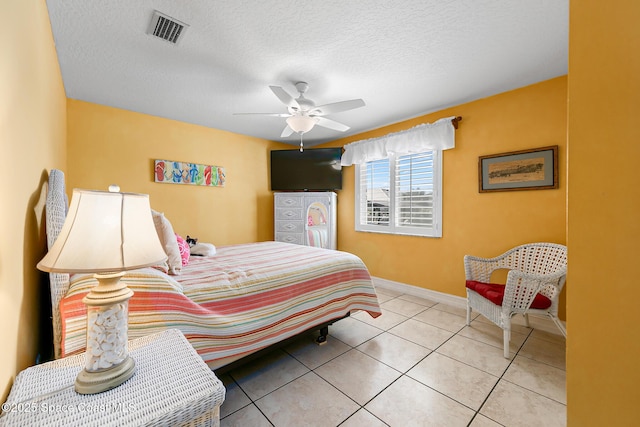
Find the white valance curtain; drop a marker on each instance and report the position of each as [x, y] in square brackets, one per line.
[439, 135]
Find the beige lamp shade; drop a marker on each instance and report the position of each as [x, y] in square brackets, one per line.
[105, 232]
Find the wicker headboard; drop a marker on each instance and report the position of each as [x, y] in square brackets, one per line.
[57, 206]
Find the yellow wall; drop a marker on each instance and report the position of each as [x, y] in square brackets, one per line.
[484, 224]
[32, 137]
[603, 201]
[110, 145]
[603, 346]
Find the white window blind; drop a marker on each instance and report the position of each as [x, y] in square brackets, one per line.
[400, 194]
[414, 190]
[375, 182]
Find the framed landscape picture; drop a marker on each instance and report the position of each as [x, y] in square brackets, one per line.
[534, 169]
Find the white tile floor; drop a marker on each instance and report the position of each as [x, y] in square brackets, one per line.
[416, 365]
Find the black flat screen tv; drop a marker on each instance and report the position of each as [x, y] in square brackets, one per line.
[310, 170]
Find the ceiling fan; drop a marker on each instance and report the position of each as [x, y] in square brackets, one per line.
[304, 114]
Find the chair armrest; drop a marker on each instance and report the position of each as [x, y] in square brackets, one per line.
[480, 269]
[521, 288]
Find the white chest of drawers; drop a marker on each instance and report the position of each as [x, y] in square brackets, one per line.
[306, 218]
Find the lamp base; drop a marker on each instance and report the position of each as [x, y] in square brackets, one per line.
[96, 382]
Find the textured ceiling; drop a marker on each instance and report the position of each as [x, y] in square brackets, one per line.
[404, 58]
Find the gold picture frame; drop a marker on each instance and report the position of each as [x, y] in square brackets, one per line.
[533, 169]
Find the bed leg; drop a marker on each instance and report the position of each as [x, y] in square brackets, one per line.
[322, 339]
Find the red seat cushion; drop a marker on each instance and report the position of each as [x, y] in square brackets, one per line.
[494, 292]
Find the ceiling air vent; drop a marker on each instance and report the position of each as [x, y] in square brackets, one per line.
[166, 27]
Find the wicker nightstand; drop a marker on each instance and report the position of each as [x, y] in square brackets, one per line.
[172, 386]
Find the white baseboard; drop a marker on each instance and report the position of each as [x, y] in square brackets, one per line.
[543, 322]
[429, 294]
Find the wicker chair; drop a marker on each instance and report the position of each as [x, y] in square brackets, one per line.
[537, 272]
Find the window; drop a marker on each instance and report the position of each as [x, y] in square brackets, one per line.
[401, 194]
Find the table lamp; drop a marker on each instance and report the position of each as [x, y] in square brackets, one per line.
[105, 233]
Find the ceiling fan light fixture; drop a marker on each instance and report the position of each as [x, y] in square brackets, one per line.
[301, 124]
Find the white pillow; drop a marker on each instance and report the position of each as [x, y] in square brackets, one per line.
[169, 242]
[203, 249]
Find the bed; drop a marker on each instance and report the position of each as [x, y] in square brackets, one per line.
[235, 303]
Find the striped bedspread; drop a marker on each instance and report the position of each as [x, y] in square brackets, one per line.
[237, 302]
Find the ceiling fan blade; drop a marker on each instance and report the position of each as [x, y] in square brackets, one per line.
[283, 96]
[263, 114]
[337, 107]
[286, 132]
[332, 124]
